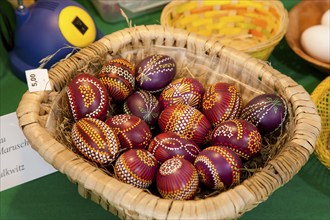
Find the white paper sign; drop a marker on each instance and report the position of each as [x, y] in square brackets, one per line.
[37, 80]
[19, 162]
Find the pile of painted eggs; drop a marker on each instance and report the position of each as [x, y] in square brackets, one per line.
[169, 132]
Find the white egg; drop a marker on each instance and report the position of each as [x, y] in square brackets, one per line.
[326, 18]
[315, 41]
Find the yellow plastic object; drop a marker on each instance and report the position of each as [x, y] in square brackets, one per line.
[321, 98]
[77, 26]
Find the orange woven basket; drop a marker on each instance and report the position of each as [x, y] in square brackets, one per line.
[255, 27]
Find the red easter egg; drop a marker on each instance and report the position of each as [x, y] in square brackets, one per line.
[221, 102]
[131, 130]
[186, 121]
[167, 145]
[137, 167]
[87, 97]
[188, 91]
[267, 112]
[177, 179]
[239, 135]
[218, 167]
[144, 105]
[155, 72]
[95, 140]
[118, 76]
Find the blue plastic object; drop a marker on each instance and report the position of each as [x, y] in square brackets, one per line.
[37, 35]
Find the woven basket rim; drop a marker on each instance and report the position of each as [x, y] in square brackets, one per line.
[233, 202]
[274, 40]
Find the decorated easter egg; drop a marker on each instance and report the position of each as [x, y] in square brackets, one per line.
[118, 76]
[87, 97]
[186, 121]
[167, 145]
[155, 72]
[221, 102]
[131, 130]
[239, 135]
[137, 167]
[188, 91]
[218, 167]
[144, 105]
[95, 140]
[177, 179]
[267, 112]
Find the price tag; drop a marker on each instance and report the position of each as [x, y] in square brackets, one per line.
[37, 80]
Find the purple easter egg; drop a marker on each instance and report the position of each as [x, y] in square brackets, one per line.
[137, 167]
[221, 102]
[177, 179]
[267, 112]
[95, 140]
[144, 105]
[118, 76]
[131, 130]
[218, 167]
[186, 121]
[188, 91]
[239, 135]
[155, 72]
[167, 145]
[87, 97]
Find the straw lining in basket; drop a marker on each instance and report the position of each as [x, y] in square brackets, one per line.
[127, 201]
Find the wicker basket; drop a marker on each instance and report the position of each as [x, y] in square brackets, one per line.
[255, 27]
[37, 111]
[321, 97]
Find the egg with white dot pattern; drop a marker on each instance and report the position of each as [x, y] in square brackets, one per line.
[168, 144]
[137, 167]
[185, 90]
[87, 97]
[155, 72]
[268, 112]
[218, 167]
[239, 135]
[95, 140]
[118, 76]
[131, 130]
[177, 179]
[186, 121]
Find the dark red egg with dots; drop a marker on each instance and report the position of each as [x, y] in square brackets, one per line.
[167, 145]
[221, 102]
[95, 140]
[239, 135]
[186, 121]
[131, 130]
[144, 105]
[118, 76]
[87, 97]
[137, 167]
[218, 167]
[155, 72]
[188, 91]
[177, 179]
[267, 112]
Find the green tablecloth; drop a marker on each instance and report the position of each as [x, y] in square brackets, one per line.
[306, 196]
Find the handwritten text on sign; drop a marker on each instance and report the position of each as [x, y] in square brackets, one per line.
[19, 162]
